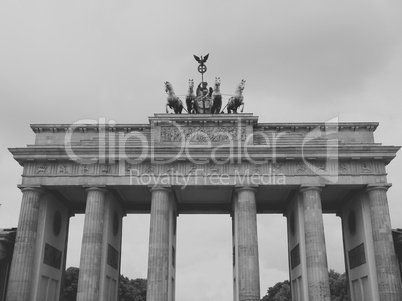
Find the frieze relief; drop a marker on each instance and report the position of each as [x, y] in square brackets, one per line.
[294, 168]
[277, 168]
[300, 167]
[105, 168]
[237, 167]
[128, 167]
[343, 168]
[366, 167]
[203, 134]
[85, 169]
[213, 168]
[171, 168]
[42, 168]
[193, 168]
[64, 169]
[150, 169]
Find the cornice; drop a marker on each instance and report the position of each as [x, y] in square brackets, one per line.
[207, 119]
[204, 119]
[54, 128]
[345, 152]
[308, 126]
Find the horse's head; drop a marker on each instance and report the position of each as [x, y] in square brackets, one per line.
[217, 82]
[168, 87]
[241, 85]
[191, 83]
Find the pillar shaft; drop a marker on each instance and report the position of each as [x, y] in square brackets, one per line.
[247, 245]
[91, 248]
[316, 256]
[158, 256]
[389, 279]
[19, 283]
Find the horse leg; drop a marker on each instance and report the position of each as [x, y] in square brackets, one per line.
[219, 107]
[195, 109]
[188, 103]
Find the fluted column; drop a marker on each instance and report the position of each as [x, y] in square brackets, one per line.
[158, 255]
[316, 256]
[19, 283]
[91, 248]
[247, 248]
[389, 279]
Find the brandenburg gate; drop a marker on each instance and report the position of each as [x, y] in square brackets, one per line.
[203, 163]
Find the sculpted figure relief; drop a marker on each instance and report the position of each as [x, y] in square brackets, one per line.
[205, 100]
[202, 134]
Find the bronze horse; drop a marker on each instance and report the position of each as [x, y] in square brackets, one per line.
[190, 98]
[216, 97]
[236, 101]
[173, 101]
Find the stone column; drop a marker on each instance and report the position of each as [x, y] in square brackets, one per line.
[91, 248]
[158, 255]
[247, 244]
[389, 279]
[316, 256]
[19, 283]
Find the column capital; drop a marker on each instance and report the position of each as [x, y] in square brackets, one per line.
[239, 188]
[304, 188]
[96, 188]
[36, 188]
[382, 186]
[166, 188]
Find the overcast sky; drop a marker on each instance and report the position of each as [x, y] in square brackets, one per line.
[62, 61]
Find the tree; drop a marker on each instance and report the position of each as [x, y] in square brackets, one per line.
[71, 284]
[279, 292]
[338, 286]
[132, 289]
[129, 289]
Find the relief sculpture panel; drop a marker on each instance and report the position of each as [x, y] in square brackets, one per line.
[203, 134]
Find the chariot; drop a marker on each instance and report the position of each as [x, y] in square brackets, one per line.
[203, 104]
[205, 100]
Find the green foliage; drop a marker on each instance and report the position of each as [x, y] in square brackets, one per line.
[129, 289]
[279, 292]
[132, 289]
[338, 285]
[71, 284]
[337, 282]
